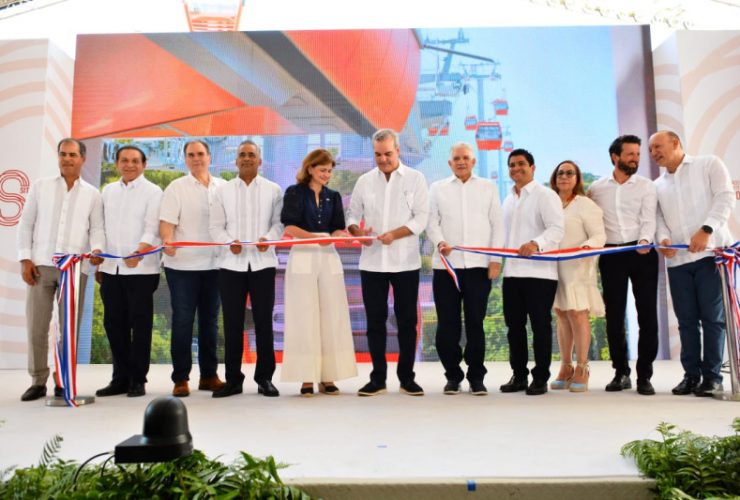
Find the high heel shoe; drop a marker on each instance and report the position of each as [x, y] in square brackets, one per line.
[307, 391]
[581, 376]
[328, 388]
[564, 378]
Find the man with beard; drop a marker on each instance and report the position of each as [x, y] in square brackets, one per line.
[695, 200]
[629, 203]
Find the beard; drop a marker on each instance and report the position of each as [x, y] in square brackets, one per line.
[626, 168]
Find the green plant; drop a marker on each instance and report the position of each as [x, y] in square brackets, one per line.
[194, 476]
[687, 465]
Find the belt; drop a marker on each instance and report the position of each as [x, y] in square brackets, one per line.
[628, 243]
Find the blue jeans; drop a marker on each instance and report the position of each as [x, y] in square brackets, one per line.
[696, 289]
[191, 291]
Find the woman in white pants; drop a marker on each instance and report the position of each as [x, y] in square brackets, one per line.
[318, 345]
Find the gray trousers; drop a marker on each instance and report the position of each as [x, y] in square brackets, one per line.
[40, 300]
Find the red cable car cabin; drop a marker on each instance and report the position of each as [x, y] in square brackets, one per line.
[489, 136]
[501, 107]
[508, 146]
[471, 122]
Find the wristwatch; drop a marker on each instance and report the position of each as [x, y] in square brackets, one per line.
[707, 229]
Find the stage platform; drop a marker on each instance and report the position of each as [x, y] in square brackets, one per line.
[393, 445]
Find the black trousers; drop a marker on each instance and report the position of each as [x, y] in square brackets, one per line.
[235, 286]
[642, 270]
[529, 298]
[127, 317]
[472, 298]
[375, 288]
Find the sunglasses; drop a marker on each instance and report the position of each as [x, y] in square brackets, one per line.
[566, 173]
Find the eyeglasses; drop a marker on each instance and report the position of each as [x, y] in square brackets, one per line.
[566, 173]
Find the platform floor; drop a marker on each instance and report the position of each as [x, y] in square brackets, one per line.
[392, 436]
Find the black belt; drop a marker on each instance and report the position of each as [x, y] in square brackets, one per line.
[621, 244]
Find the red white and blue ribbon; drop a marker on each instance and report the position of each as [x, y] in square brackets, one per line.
[65, 337]
[728, 261]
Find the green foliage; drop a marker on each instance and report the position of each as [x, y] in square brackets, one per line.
[686, 465]
[227, 175]
[194, 476]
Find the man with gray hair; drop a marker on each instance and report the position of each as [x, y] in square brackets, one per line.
[247, 208]
[464, 210]
[695, 202]
[392, 201]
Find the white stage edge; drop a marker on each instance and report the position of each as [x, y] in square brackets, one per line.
[392, 437]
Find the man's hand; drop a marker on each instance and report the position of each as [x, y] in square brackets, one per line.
[235, 248]
[494, 270]
[444, 248]
[94, 259]
[699, 241]
[263, 248]
[29, 272]
[668, 253]
[168, 250]
[528, 249]
[355, 230]
[387, 238]
[643, 251]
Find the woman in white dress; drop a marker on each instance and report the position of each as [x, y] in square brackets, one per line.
[577, 295]
[318, 345]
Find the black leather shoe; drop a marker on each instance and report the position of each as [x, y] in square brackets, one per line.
[58, 392]
[515, 384]
[451, 388]
[267, 389]
[645, 388]
[477, 388]
[371, 389]
[708, 388]
[686, 386]
[412, 388]
[112, 389]
[135, 390]
[537, 387]
[619, 383]
[34, 392]
[227, 390]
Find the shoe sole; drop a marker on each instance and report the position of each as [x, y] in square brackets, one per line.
[451, 393]
[368, 394]
[411, 393]
[260, 391]
[479, 393]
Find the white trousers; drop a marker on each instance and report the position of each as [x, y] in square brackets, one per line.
[318, 345]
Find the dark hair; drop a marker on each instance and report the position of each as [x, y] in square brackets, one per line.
[313, 159]
[132, 148]
[578, 189]
[616, 146]
[521, 152]
[80, 145]
[196, 141]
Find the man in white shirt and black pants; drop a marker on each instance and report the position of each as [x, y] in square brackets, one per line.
[629, 204]
[393, 201]
[131, 211]
[192, 273]
[463, 210]
[63, 214]
[534, 222]
[247, 208]
[695, 202]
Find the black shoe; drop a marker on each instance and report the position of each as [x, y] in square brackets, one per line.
[686, 386]
[515, 384]
[34, 392]
[267, 389]
[227, 390]
[645, 388]
[371, 389]
[412, 388]
[708, 388]
[619, 383]
[477, 388]
[451, 388]
[307, 391]
[112, 389]
[58, 392]
[537, 387]
[135, 390]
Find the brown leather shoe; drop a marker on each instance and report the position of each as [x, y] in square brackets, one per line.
[210, 384]
[181, 389]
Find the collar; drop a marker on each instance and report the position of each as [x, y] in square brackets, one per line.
[401, 170]
[453, 179]
[131, 184]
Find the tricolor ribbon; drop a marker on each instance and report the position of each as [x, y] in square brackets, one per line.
[727, 260]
